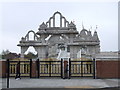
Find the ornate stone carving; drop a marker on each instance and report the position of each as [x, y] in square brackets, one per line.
[64, 35]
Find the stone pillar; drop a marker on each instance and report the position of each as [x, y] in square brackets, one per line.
[41, 51]
[23, 49]
[54, 21]
[97, 47]
[64, 22]
[60, 21]
[71, 38]
[50, 23]
[43, 38]
[73, 52]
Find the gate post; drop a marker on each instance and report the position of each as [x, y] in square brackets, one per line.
[49, 68]
[69, 68]
[81, 68]
[61, 68]
[94, 68]
[8, 65]
[38, 68]
[30, 68]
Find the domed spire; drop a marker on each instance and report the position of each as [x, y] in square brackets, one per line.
[83, 28]
[83, 33]
[89, 35]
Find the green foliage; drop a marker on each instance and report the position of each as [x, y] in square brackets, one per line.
[6, 54]
[30, 55]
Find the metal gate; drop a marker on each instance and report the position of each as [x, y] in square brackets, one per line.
[72, 68]
[24, 67]
[81, 68]
[50, 68]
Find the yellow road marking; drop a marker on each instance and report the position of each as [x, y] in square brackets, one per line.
[79, 87]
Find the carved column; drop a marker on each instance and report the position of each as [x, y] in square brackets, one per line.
[27, 37]
[23, 49]
[41, 51]
[50, 23]
[64, 22]
[71, 38]
[43, 38]
[60, 21]
[71, 52]
[54, 21]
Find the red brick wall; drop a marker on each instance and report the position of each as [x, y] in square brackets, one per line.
[34, 71]
[3, 69]
[107, 69]
[104, 69]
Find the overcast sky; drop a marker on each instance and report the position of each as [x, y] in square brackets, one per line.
[20, 17]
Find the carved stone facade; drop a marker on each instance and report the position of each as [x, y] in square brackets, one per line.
[50, 39]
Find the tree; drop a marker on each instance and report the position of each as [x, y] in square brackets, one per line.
[30, 55]
[9, 55]
[4, 52]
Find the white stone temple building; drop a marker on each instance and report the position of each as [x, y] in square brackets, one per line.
[52, 41]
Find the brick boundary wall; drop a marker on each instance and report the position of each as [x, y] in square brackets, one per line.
[3, 69]
[34, 71]
[108, 69]
[104, 69]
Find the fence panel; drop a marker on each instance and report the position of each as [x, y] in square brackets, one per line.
[82, 68]
[24, 68]
[50, 68]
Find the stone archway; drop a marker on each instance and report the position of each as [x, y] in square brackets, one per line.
[29, 41]
[50, 34]
[31, 51]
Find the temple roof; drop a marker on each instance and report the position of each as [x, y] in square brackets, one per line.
[64, 26]
[86, 35]
[65, 29]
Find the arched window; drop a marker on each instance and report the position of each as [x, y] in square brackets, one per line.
[31, 36]
[57, 20]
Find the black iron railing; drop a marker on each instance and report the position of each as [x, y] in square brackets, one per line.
[81, 68]
[50, 68]
[24, 68]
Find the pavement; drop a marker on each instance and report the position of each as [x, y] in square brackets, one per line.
[59, 83]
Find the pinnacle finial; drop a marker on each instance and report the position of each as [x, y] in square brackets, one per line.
[73, 21]
[90, 28]
[82, 25]
[96, 27]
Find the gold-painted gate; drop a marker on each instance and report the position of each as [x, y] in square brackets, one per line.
[24, 68]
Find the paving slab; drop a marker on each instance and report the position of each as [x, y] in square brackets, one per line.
[62, 83]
